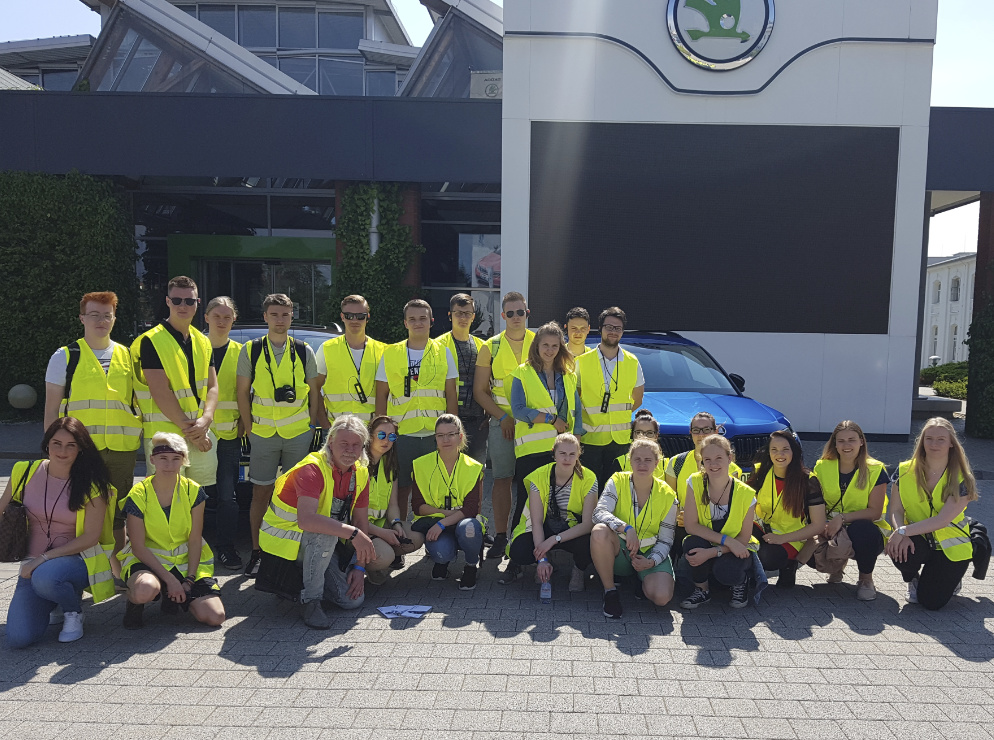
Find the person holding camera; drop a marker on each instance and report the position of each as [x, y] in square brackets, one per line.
[279, 400]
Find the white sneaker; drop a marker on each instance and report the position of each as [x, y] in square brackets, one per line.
[913, 591]
[72, 627]
[55, 616]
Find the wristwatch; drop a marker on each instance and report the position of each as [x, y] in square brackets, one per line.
[902, 530]
[559, 538]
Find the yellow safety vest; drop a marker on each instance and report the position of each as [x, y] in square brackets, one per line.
[441, 490]
[168, 538]
[280, 535]
[625, 461]
[615, 425]
[657, 506]
[379, 495]
[530, 439]
[688, 466]
[919, 505]
[449, 342]
[770, 509]
[104, 403]
[225, 424]
[579, 488]
[505, 364]
[740, 497]
[854, 498]
[340, 391]
[177, 371]
[416, 412]
[96, 558]
[270, 417]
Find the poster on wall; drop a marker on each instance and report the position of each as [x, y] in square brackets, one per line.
[479, 259]
[487, 308]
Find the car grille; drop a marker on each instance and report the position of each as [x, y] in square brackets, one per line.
[746, 446]
[674, 444]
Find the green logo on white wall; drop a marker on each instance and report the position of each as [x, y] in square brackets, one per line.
[711, 34]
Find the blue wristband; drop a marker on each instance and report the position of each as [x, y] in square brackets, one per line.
[442, 526]
[502, 418]
[544, 560]
[359, 567]
[723, 539]
[627, 527]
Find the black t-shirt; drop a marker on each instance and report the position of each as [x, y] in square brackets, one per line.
[846, 478]
[465, 358]
[217, 356]
[150, 359]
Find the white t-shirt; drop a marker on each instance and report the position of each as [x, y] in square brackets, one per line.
[356, 359]
[56, 372]
[414, 357]
[607, 368]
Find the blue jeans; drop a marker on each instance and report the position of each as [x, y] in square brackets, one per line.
[467, 536]
[229, 452]
[58, 582]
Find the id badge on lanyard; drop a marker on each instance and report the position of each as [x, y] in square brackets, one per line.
[341, 507]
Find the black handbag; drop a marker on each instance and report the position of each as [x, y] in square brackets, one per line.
[14, 522]
[981, 547]
[284, 578]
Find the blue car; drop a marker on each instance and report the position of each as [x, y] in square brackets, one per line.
[681, 379]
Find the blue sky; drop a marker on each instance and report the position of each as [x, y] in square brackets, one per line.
[962, 73]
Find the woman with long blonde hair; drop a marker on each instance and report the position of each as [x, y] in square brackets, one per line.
[931, 542]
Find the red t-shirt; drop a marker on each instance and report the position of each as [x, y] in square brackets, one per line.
[307, 481]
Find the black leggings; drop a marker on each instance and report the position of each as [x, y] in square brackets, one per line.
[867, 543]
[601, 459]
[524, 466]
[773, 557]
[937, 575]
[727, 569]
[523, 546]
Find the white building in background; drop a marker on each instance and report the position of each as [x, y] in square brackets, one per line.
[948, 307]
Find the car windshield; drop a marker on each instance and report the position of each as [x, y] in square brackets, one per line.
[680, 368]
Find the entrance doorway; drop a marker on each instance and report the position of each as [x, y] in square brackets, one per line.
[248, 282]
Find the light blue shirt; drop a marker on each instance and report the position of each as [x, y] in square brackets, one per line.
[522, 413]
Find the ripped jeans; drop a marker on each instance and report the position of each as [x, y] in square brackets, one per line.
[467, 536]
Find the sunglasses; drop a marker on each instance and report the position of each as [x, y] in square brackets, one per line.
[187, 301]
[356, 317]
[392, 436]
[519, 312]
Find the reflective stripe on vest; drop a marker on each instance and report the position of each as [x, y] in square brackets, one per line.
[269, 416]
[340, 395]
[504, 365]
[436, 484]
[648, 520]
[530, 439]
[416, 412]
[102, 402]
[225, 424]
[614, 424]
[741, 497]
[379, 495]
[541, 478]
[954, 540]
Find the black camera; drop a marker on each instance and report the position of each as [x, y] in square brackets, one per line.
[285, 394]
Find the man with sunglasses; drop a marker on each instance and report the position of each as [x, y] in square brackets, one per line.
[175, 384]
[465, 348]
[611, 388]
[415, 384]
[347, 366]
[496, 363]
[279, 400]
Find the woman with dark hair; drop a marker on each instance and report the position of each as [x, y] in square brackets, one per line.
[789, 505]
[391, 542]
[643, 425]
[70, 505]
[545, 403]
[854, 487]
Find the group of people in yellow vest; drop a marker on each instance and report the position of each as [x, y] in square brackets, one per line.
[411, 426]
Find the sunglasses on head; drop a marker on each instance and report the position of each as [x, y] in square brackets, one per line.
[392, 436]
[187, 301]
[355, 316]
[518, 312]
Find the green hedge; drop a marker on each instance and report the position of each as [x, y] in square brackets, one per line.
[60, 237]
[980, 399]
[950, 388]
[951, 371]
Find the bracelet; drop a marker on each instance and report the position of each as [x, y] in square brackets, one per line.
[398, 521]
[441, 526]
[45, 556]
[627, 527]
[543, 560]
[355, 531]
[722, 543]
[359, 567]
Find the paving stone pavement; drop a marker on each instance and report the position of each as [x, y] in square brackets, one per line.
[495, 663]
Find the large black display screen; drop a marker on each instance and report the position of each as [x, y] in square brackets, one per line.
[714, 227]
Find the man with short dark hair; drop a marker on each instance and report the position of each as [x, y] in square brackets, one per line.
[577, 328]
[611, 387]
[465, 348]
[279, 401]
[347, 365]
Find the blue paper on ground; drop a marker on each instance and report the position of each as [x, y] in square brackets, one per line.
[404, 610]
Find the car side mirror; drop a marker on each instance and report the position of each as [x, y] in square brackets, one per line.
[738, 381]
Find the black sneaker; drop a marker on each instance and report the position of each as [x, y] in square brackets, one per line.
[228, 558]
[440, 571]
[133, 616]
[700, 596]
[740, 596]
[612, 604]
[639, 593]
[468, 580]
[496, 551]
[788, 575]
[511, 573]
[168, 606]
[252, 569]
[398, 563]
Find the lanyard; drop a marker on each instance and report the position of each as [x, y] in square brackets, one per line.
[293, 359]
[50, 515]
[645, 509]
[554, 509]
[775, 500]
[448, 483]
[612, 376]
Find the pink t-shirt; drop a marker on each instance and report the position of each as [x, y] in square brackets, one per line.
[50, 523]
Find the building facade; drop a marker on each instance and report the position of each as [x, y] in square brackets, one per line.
[949, 284]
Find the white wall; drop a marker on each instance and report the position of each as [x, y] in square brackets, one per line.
[865, 377]
[942, 315]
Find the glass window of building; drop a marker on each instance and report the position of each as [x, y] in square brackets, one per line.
[954, 290]
[340, 77]
[302, 69]
[297, 28]
[380, 83]
[136, 74]
[340, 30]
[221, 18]
[257, 26]
[58, 79]
[188, 9]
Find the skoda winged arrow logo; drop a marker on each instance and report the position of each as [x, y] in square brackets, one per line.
[705, 32]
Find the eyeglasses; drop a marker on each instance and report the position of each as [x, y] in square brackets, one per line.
[648, 433]
[612, 328]
[392, 436]
[519, 312]
[187, 301]
[99, 316]
[443, 436]
[701, 430]
[356, 317]
[464, 314]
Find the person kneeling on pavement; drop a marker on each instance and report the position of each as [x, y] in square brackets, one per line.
[310, 520]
